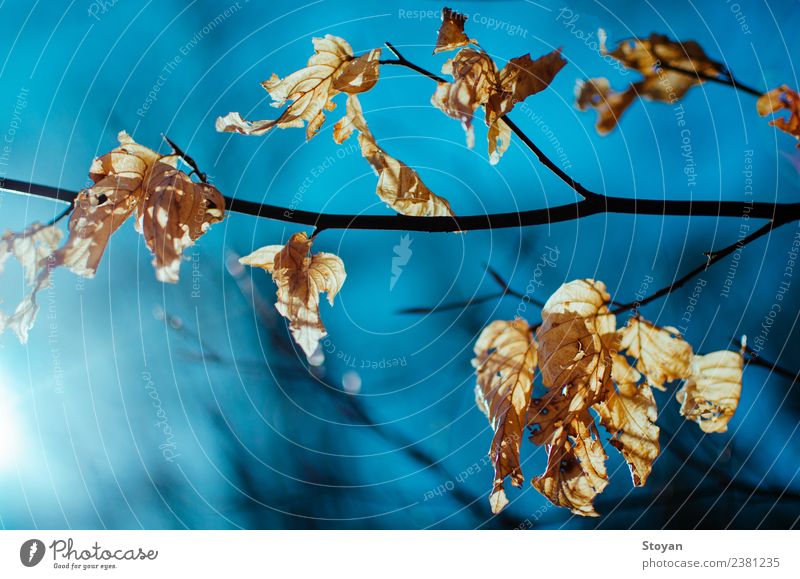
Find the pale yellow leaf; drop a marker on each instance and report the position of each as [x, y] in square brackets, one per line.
[711, 393]
[662, 354]
[33, 249]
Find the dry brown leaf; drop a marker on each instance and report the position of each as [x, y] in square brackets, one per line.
[609, 104]
[652, 58]
[174, 213]
[32, 248]
[575, 341]
[102, 208]
[662, 354]
[477, 82]
[505, 361]
[576, 471]
[301, 278]
[451, 32]
[331, 70]
[520, 78]
[474, 79]
[629, 414]
[711, 393]
[399, 186]
[779, 99]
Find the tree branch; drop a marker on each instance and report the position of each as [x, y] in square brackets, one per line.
[546, 215]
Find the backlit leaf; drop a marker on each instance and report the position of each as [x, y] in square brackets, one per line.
[662, 354]
[33, 249]
[629, 414]
[332, 69]
[711, 393]
[399, 186]
[505, 361]
[174, 213]
[301, 278]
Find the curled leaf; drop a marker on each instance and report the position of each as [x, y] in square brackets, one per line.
[301, 278]
[175, 212]
[779, 99]
[629, 414]
[99, 210]
[32, 248]
[451, 32]
[505, 361]
[576, 471]
[477, 82]
[331, 70]
[575, 341]
[662, 354]
[711, 393]
[399, 186]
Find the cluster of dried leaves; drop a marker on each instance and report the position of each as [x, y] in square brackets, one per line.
[334, 69]
[591, 372]
[669, 69]
[172, 211]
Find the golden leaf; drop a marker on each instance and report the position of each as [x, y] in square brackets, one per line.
[505, 359]
[656, 59]
[629, 414]
[609, 104]
[576, 471]
[32, 248]
[99, 210]
[174, 213]
[662, 354]
[399, 186]
[301, 278]
[575, 340]
[778, 99]
[451, 32]
[711, 393]
[331, 70]
[477, 82]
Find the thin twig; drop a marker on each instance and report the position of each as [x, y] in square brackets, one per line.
[187, 159]
[755, 359]
[729, 81]
[711, 258]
